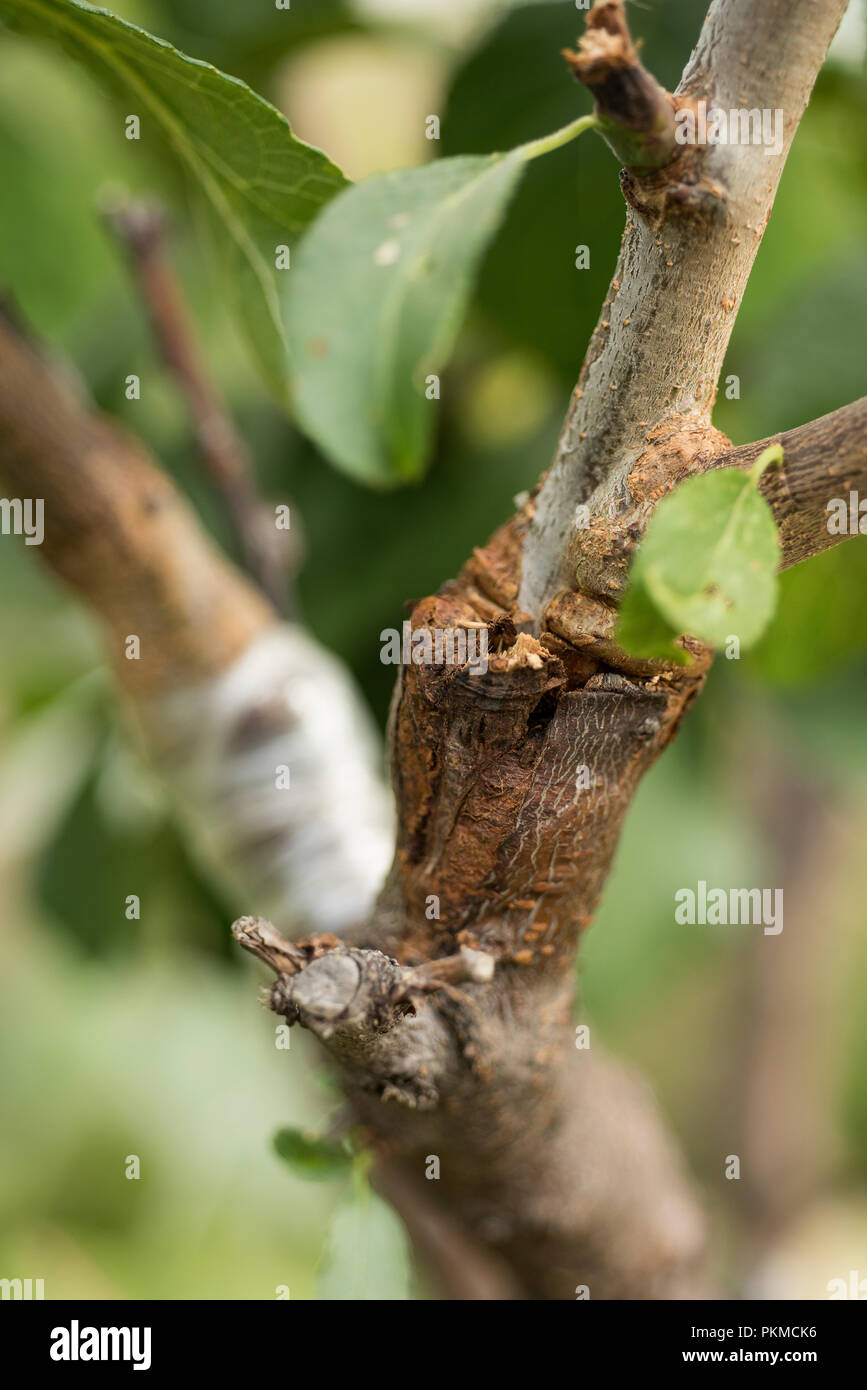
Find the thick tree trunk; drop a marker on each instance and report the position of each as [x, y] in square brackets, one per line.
[512, 787]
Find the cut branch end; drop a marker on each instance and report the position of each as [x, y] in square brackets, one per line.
[635, 114]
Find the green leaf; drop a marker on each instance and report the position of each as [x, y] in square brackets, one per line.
[310, 1156]
[260, 185]
[379, 289]
[367, 1256]
[643, 631]
[707, 565]
[377, 295]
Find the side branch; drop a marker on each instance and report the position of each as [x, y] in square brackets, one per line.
[366, 1007]
[635, 115]
[142, 229]
[481, 1082]
[824, 461]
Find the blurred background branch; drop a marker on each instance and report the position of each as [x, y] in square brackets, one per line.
[142, 230]
[229, 699]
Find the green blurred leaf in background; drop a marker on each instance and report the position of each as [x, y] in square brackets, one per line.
[250, 39]
[312, 1156]
[367, 1256]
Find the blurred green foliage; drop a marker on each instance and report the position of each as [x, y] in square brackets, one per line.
[312, 1156]
[142, 1037]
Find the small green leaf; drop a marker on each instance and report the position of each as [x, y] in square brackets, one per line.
[260, 185]
[367, 1256]
[310, 1156]
[376, 299]
[707, 565]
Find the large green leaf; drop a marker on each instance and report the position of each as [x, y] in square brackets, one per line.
[261, 186]
[377, 297]
[707, 565]
[367, 1255]
[376, 300]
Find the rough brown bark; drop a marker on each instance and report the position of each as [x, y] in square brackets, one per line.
[549, 1155]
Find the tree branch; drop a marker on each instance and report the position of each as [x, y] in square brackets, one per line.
[512, 786]
[640, 415]
[608, 1208]
[464, 1270]
[117, 530]
[142, 229]
[635, 115]
[367, 1008]
[822, 461]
